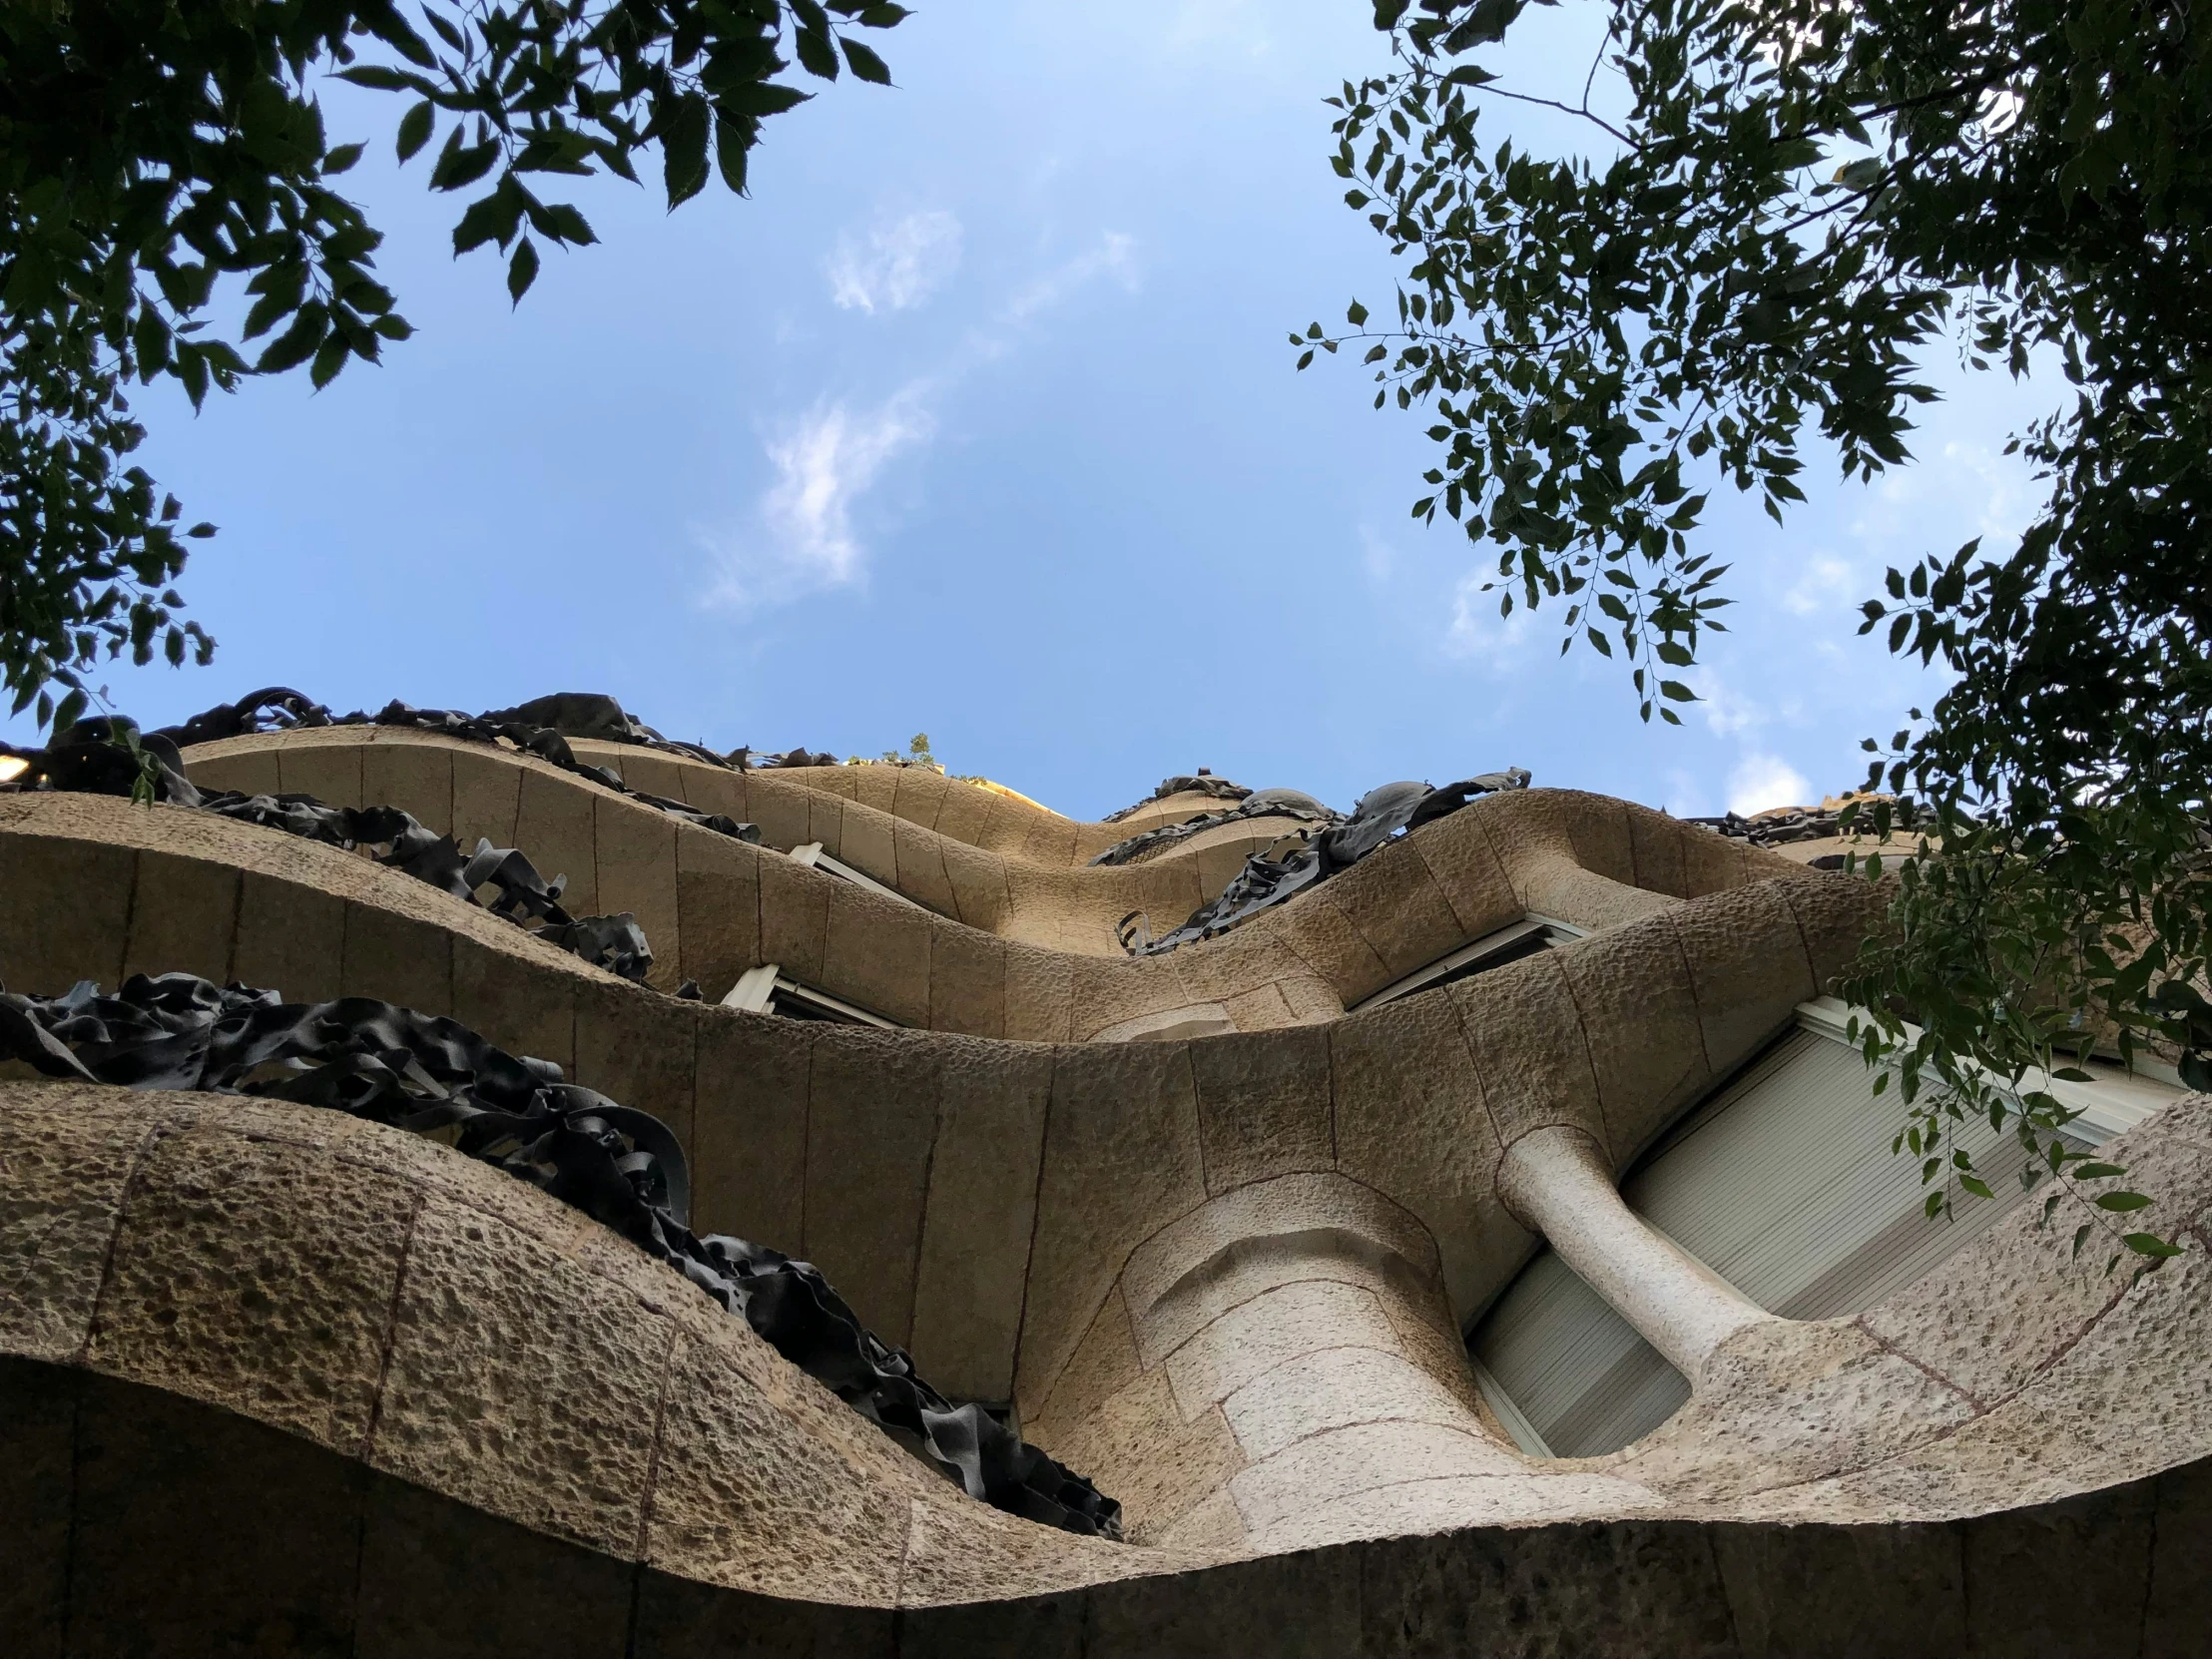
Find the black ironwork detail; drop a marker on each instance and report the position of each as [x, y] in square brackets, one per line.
[95, 758]
[1783, 825]
[1150, 844]
[1379, 815]
[1202, 782]
[621, 1166]
[541, 726]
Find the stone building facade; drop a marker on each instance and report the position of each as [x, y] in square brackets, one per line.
[1386, 1257]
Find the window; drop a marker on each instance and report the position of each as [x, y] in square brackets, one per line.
[812, 856]
[768, 989]
[1508, 945]
[1784, 1184]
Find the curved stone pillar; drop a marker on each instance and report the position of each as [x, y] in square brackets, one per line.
[1307, 1316]
[1557, 1180]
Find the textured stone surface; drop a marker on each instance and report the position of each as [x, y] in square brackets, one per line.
[496, 1340]
[255, 1272]
[1527, 1036]
[980, 1215]
[68, 1150]
[871, 1123]
[1263, 1106]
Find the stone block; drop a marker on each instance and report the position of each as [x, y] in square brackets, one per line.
[554, 827]
[1835, 914]
[291, 938]
[962, 812]
[919, 793]
[1527, 1036]
[249, 772]
[1309, 1606]
[872, 1103]
[869, 844]
[256, 1275]
[749, 1138]
[1748, 965]
[1041, 995]
[497, 1337]
[1325, 938]
[795, 917]
[397, 958]
[487, 797]
[1466, 868]
[1264, 1105]
[1104, 1362]
[331, 772]
[1640, 1022]
[1399, 908]
[779, 808]
[921, 875]
[1137, 1446]
[979, 1216]
[877, 954]
[65, 913]
[1655, 843]
[967, 983]
[1330, 1389]
[652, 773]
[417, 777]
[635, 849]
[1338, 1463]
[717, 898]
[1597, 830]
[1710, 863]
[1303, 1316]
[68, 1150]
[1412, 1121]
[979, 882]
[1121, 1160]
[184, 918]
[516, 1002]
[2018, 1606]
[638, 1049]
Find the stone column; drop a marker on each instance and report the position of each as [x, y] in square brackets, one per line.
[1556, 1181]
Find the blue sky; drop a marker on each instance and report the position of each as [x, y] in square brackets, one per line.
[978, 419]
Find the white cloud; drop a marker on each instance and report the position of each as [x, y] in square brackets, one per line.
[1478, 631]
[824, 463]
[1826, 579]
[898, 265]
[1728, 712]
[1375, 555]
[1115, 256]
[1763, 780]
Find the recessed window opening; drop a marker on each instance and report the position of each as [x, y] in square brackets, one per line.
[812, 856]
[768, 989]
[1493, 951]
[1783, 1183]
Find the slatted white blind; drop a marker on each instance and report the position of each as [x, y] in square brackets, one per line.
[1785, 1185]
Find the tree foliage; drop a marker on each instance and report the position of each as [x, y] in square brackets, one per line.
[160, 162]
[1803, 200]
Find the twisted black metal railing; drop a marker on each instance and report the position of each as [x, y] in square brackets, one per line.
[1200, 782]
[1150, 844]
[622, 1167]
[1264, 882]
[110, 756]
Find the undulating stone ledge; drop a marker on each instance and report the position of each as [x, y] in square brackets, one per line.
[107, 1485]
[1012, 939]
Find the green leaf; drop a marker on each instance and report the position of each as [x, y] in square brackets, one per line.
[817, 55]
[2122, 1202]
[1356, 314]
[864, 63]
[341, 160]
[330, 357]
[2151, 1245]
[522, 269]
[297, 342]
[684, 148]
[415, 127]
